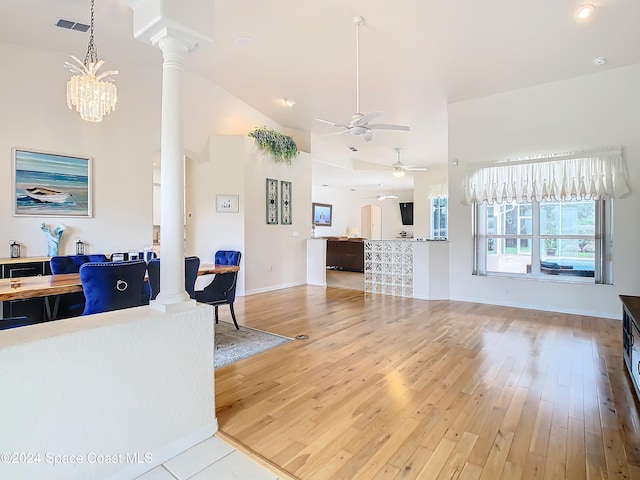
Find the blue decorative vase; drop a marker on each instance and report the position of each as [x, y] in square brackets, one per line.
[53, 238]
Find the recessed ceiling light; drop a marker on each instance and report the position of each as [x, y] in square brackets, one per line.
[584, 12]
[599, 61]
[289, 102]
[242, 41]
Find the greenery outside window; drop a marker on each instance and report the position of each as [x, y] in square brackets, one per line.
[549, 239]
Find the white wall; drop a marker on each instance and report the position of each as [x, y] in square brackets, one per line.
[602, 109]
[124, 146]
[35, 116]
[222, 173]
[346, 210]
[129, 382]
[274, 256]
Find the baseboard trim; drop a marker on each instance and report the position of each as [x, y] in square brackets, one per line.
[272, 288]
[571, 311]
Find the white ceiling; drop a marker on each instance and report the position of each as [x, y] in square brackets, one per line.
[416, 56]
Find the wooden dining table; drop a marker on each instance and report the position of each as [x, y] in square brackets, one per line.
[48, 286]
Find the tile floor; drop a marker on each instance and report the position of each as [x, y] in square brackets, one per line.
[212, 459]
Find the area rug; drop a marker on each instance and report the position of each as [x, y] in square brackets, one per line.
[233, 345]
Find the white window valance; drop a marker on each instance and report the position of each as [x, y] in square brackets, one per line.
[577, 175]
[437, 190]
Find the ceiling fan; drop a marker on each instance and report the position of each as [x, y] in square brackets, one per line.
[399, 168]
[381, 197]
[359, 123]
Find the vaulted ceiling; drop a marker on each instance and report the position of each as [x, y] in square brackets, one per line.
[416, 56]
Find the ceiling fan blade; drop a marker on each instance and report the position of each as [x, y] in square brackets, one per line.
[416, 169]
[365, 118]
[336, 133]
[368, 136]
[382, 126]
[332, 123]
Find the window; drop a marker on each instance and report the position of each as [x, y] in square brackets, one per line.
[548, 215]
[550, 239]
[438, 219]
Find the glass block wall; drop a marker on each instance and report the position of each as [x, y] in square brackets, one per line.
[388, 267]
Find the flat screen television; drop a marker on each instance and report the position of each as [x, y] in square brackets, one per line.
[321, 214]
[406, 212]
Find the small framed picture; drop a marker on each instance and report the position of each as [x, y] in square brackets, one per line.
[321, 214]
[227, 203]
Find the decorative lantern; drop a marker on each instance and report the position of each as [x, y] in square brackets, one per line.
[79, 246]
[14, 249]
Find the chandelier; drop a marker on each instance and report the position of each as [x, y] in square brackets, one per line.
[92, 95]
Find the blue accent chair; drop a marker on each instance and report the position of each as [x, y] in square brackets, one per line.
[223, 288]
[191, 265]
[14, 322]
[112, 285]
[72, 263]
[71, 304]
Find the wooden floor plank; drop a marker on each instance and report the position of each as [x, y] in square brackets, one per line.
[576, 452]
[455, 463]
[399, 388]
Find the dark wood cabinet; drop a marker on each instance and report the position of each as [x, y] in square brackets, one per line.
[631, 338]
[24, 267]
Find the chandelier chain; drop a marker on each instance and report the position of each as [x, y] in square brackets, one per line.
[92, 50]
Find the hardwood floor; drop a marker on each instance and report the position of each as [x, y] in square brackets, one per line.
[345, 279]
[395, 388]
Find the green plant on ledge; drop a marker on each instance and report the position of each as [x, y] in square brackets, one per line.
[281, 146]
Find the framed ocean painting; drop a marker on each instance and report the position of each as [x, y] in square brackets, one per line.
[50, 184]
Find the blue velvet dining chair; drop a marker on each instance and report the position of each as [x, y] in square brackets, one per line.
[191, 265]
[14, 322]
[111, 286]
[222, 290]
[71, 304]
[72, 263]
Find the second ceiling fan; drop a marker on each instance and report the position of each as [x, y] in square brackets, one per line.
[359, 123]
[400, 168]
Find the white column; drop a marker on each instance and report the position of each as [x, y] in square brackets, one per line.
[172, 290]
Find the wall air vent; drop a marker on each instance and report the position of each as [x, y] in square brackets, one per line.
[69, 25]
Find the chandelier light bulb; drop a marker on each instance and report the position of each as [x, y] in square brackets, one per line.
[93, 96]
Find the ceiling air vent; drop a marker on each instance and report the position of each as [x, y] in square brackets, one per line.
[353, 149]
[69, 25]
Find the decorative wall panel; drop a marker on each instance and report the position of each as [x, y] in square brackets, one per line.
[388, 267]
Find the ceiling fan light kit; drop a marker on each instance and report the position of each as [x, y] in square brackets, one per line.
[380, 196]
[399, 168]
[359, 124]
